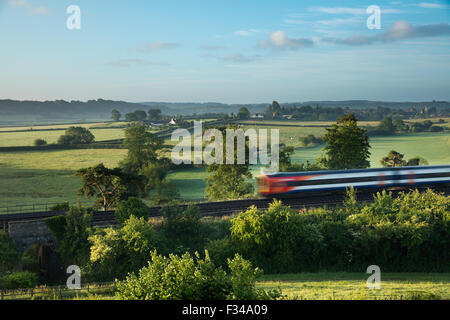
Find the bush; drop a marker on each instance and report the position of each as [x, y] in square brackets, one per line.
[24, 279]
[410, 233]
[185, 278]
[9, 255]
[71, 232]
[182, 227]
[115, 252]
[40, 142]
[64, 206]
[132, 206]
[166, 191]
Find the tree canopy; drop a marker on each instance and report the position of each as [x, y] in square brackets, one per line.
[347, 145]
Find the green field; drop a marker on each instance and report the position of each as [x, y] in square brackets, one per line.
[47, 176]
[435, 147]
[352, 286]
[310, 286]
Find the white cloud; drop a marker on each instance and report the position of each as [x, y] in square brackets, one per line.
[400, 30]
[429, 5]
[352, 11]
[280, 41]
[246, 33]
[338, 22]
[155, 46]
[24, 4]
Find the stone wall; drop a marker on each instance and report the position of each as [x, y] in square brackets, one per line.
[29, 232]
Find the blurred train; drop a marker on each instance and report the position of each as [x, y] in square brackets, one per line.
[298, 183]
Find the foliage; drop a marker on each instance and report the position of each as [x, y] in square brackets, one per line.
[115, 115]
[30, 261]
[132, 206]
[109, 186]
[407, 233]
[63, 206]
[115, 252]
[76, 135]
[393, 159]
[229, 181]
[9, 255]
[39, 142]
[310, 141]
[24, 279]
[154, 114]
[243, 113]
[181, 227]
[142, 148]
[185, 278]
[166, 191]
[347, 145]
[71, 232]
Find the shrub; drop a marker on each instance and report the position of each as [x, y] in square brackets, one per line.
[71, 232]
[40, 142]
[63, 206]
[166, 191]
[115, 252]
[9, 255]
[132, 206]
[182, 227]
[185, 278]
[24, 279]
[220, 250]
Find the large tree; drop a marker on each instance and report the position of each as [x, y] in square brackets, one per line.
[115, 115]
[243, 113]
[154, 114]
[109, 186]
[76, 135]
[347, 145]
[229, 181]
[393, 159]
[142, 148]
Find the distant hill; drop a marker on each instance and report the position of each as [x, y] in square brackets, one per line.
[16, 112]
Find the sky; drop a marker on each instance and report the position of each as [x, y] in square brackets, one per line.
[229, 51]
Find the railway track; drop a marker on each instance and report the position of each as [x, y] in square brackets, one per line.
[215, 209]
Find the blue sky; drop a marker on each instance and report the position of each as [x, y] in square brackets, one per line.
[225, 51]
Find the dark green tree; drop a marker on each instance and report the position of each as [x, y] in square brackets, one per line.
[154, 114]
[109, 186]
[140, 115]
[243, 113]
[347, 145]
[393, 159]
[76, 135]
[142, 148]
[115, 115]
[229, 181]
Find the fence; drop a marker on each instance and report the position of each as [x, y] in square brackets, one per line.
[58, 292]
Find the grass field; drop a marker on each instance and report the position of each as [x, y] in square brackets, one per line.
[10, 139]
[352, 286]
[435, 147]
[310, 286]
[47, 176]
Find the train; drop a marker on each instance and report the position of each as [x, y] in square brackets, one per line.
[328, 181]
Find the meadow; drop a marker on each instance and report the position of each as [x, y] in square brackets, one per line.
[48, 176]
[302, 286]
[352, 286]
